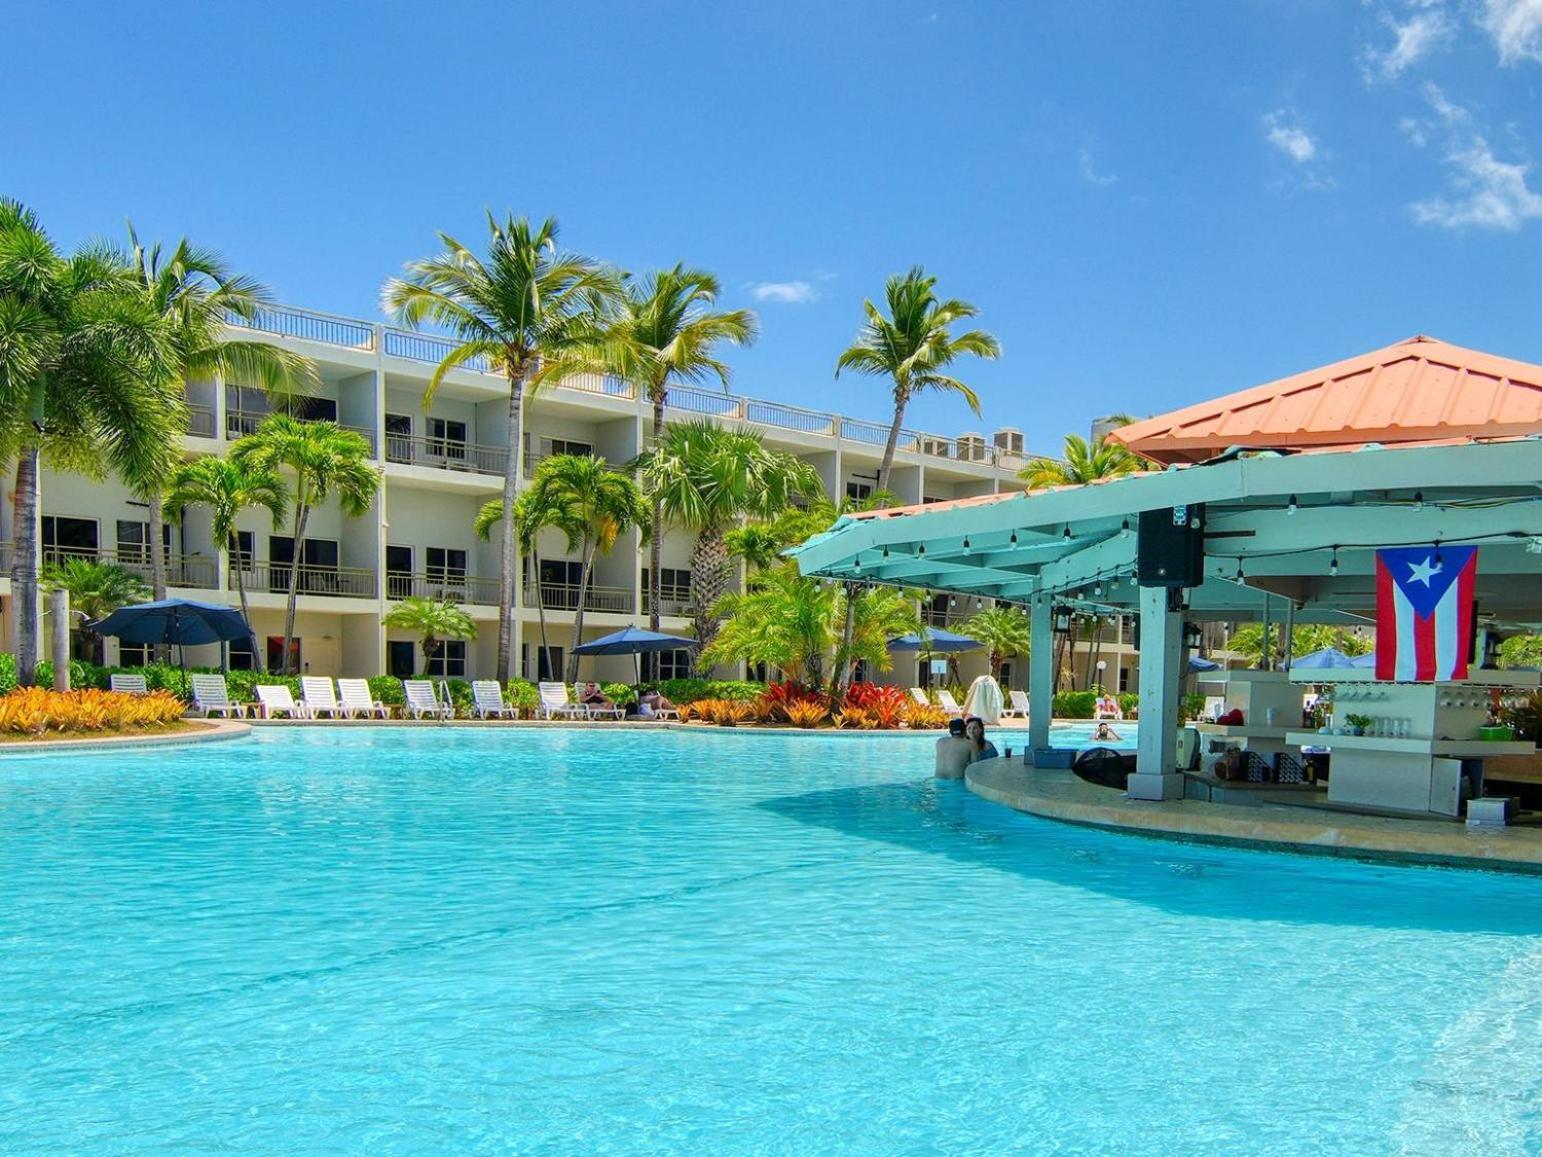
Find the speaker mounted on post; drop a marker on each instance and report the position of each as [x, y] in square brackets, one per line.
[1170, 547]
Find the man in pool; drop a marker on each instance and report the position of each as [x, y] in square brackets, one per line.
[1105, 734]
[954, 752]
[980, 747]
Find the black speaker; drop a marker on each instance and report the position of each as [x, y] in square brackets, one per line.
[1170, 547]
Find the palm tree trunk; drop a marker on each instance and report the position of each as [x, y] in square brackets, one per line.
[301, 516]
[540, 612]
[259, 659]
[508, 555]
[709, 582]
[848, 628]
[586, 558]
[24, 536]
[157, 532]
[656, 528]
[430, 646]
[889, 446]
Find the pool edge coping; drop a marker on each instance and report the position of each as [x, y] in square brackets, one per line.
[213, 731]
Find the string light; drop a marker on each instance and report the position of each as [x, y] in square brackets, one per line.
[1439, 559]
[1290, 507]
[886, 552]
[1239, 577]
[1418, 500]
[1333, 563]
[858, 566]
[1124, 529]
[952, 602]
[1013, 539]
[966, 542]
[1067, 534]
[921, 550]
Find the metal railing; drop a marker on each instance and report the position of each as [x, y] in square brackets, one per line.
[181, 571]
[430, 349]
[240, 423]
[286, 321]
[343, 582]
[201, 421]
[564, 597]
[457, 588]
[446, 454]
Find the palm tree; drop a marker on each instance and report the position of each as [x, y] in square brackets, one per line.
[531, 313]
[912, 347]
[228, 487]
[324, 460]
[196, 293]
[1084, 462]
[530, 518]
[593, 506]
[83, 360]
[1003, 631]
[706, 478]
[668, 332]
[434, 619]
[96, 589]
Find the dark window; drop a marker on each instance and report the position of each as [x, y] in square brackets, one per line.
[134, 654]
[68, 536]
[316, 409]
[674, 584]
[568, 446]
[401, 656]
[134, 538]
[276, 653]
[445, 564]
[559, 583]
[398, 433]
[859, 490]
[241, 655]
[544, 669]
[398, 572]
[674, 664]
[320, 556]
[446, 438]
[450, 662]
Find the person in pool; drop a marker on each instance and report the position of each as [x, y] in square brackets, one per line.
[974, 731]
[1105, 734]
[954, 752]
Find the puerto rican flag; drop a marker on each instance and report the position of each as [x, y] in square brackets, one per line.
[1424, 611]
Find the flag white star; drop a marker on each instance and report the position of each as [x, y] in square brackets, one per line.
[1422, 572]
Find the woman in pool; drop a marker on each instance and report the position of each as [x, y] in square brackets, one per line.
[974, 731]
[1105, 734]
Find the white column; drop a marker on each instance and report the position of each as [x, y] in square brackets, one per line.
[1161, 679]
[1041, 671]
[59, 618]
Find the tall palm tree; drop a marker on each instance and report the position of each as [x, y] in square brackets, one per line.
[1003, 630]
[593, 505]
[228, 487]
[668, 333]
[82, 374]
[533, 314]
[531, 517]
[1084, 462]
[195, 292]
[433, 619]
[913, 346]
[96, 589]
[323, 460]
[706, 478]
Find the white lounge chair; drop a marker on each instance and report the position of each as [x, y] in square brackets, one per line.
[212, 697]
[358, 701]
[423, 700]
[595, 711]
[320, 696]
[276, 698]
[946, 701]
[554, 703]
[128, 684]
[488, 701]
[1019, 707]
[919, 695]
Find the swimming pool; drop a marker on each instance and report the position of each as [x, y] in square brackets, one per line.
[451, 939]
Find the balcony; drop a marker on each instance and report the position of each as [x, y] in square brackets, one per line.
[201, 421]
[457, 588]
[446, 454]
[195, 571]
[334, 581]
[240, 423]
[564, 597]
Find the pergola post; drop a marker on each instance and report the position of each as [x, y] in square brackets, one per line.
[1161, 681]
[1041, 672]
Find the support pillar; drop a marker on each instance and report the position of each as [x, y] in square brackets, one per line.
[1041, 672]
[59, 610]
[1161, 681]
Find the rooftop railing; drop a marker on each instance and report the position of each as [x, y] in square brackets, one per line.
[430, 349]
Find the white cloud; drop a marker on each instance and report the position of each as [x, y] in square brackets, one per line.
[1290, 138]
[1516, 28]
[1089, 170]
[1492, 194]
[1445, 108]
[784, 292]
[1414, 131]
[1412, 40]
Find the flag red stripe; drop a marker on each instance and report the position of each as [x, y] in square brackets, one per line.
[1386, 623]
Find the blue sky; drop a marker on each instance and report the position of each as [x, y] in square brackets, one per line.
[1151, 203]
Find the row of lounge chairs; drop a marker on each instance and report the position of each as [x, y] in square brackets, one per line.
[1017, 702]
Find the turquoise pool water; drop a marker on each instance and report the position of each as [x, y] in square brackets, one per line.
[584, 941]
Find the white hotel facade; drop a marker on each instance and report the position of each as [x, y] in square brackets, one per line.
[438, 467]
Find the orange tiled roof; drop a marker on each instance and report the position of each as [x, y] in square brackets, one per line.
[1419, 390]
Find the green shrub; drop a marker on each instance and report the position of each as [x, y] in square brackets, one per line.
[387, 689]
[524, 695]
[621, 694]
[1129, 703]
[7, 673]
[690, 690]
[1074, 704]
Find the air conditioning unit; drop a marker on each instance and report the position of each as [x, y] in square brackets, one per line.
[936, 447]
[972, 448]
[1008, 441]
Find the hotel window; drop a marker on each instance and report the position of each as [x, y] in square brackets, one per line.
[134, 541]
[529, 652]
[445, 564]
[450, 662]
[446, 438]
[134, 654]
[68, 536]
[860, 491]
[674, 584]
[242, 657]
[398, 434]
[674, 664]
[244, 553]
[398, 572]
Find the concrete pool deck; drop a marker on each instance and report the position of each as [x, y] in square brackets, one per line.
[1060, 795]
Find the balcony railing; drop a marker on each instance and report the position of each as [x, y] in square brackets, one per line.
[337, 581]
[446, 454]
[201, 421]
[564, 597]
[441, 585]
[181, 571]
[240, 423]
[430, 349]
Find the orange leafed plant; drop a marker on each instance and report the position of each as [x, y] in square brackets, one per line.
[805, 714]
[925, 718]
[34, 710]
[855, 717]
[736, 711]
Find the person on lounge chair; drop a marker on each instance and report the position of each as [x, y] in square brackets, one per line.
[593, 697]
[651, 703]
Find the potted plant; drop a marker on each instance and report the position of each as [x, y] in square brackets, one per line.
[1358, 723]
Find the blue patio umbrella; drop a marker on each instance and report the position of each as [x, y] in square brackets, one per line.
[175, 622]
[939, 641]
[633, 641]
[1198, 663]
[1329, 658]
